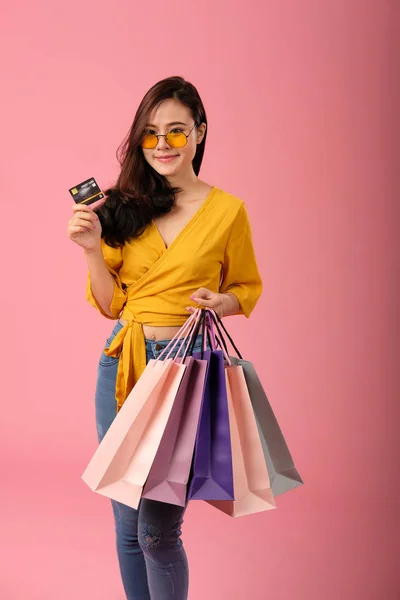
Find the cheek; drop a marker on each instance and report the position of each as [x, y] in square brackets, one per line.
[188, 152]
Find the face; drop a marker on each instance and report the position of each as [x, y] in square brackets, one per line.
[166, 160]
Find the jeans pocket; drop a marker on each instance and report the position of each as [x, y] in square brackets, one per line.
[105, 360]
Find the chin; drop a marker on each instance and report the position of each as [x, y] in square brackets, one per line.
[166, 170]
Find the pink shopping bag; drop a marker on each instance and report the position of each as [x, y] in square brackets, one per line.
[252, 487]
[122, 462]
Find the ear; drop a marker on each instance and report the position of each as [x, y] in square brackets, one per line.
[201, 130]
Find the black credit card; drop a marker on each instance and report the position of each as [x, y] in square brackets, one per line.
[86, 192]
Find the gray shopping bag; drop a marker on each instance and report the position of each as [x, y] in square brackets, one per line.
[282, 472]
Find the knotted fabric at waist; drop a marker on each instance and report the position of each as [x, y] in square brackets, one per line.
[130, 346]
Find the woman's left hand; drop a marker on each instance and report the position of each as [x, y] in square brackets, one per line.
[208, 299]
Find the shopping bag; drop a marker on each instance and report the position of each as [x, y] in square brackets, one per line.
[211, 476]
[169, 474]
[282, 472]
[252, 486]
[121, 464]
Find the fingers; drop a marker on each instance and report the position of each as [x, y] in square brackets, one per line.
[202, 294]
[84, 219]
[84, 227]
[84, 212]
[216, 309]
[205, 297]
[204, 302]
[77, 229]
[80, 227]
[83, 222]
[82, 208]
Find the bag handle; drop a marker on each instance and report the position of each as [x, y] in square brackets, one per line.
[196, 320]
[210, 326]
[193, 336]
[219, 327]
[190, 347]
[187, 326]
[210, 333]
[206, 333]
[216, 341]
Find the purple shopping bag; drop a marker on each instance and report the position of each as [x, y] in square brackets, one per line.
[169, 474]
[212, 476]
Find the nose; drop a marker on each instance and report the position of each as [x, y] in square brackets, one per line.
[162, 143]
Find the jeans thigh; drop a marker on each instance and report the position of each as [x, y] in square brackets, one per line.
[105, 402]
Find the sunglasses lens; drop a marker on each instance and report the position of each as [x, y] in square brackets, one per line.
[149, 141]
[176, 139]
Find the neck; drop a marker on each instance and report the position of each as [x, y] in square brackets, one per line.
[185, 181]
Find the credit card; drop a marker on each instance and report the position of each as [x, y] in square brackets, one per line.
[86, 192]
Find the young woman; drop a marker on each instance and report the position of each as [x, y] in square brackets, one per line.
[163, 243]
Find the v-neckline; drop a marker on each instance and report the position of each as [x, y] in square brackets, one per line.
[188, 225]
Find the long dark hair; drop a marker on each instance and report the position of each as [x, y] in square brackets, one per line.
[140, 193]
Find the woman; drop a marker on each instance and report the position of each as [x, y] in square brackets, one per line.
[163, 243]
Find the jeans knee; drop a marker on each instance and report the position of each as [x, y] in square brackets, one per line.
[159, 530]
[150, 537]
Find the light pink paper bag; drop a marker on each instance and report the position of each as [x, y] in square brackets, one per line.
[251, 482]
[121, 464]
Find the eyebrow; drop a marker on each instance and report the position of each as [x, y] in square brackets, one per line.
[168, 124]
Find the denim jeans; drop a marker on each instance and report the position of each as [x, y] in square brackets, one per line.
[151, 556]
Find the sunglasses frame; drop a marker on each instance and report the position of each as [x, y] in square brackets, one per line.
[158, 135]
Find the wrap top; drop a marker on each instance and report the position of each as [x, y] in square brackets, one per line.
[153, 283]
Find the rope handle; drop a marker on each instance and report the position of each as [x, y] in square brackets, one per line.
[220, 327]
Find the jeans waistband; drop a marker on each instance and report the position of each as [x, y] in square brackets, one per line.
[161, 344]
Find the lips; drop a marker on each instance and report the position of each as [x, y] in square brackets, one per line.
[167, 158]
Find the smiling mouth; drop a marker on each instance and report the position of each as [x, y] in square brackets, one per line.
[167, 157]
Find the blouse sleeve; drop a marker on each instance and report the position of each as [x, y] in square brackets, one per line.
[113, 258]
[240, 272]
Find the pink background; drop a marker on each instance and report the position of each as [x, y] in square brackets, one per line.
[302, 101]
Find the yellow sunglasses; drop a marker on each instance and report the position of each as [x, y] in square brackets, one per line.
[174, 138]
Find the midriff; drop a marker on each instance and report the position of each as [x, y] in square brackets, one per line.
[157, 333]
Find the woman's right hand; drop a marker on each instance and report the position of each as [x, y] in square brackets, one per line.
[84, 227]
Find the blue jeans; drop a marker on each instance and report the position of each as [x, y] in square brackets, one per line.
[151, 556]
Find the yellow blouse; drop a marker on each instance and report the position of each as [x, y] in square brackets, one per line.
[153, 284]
